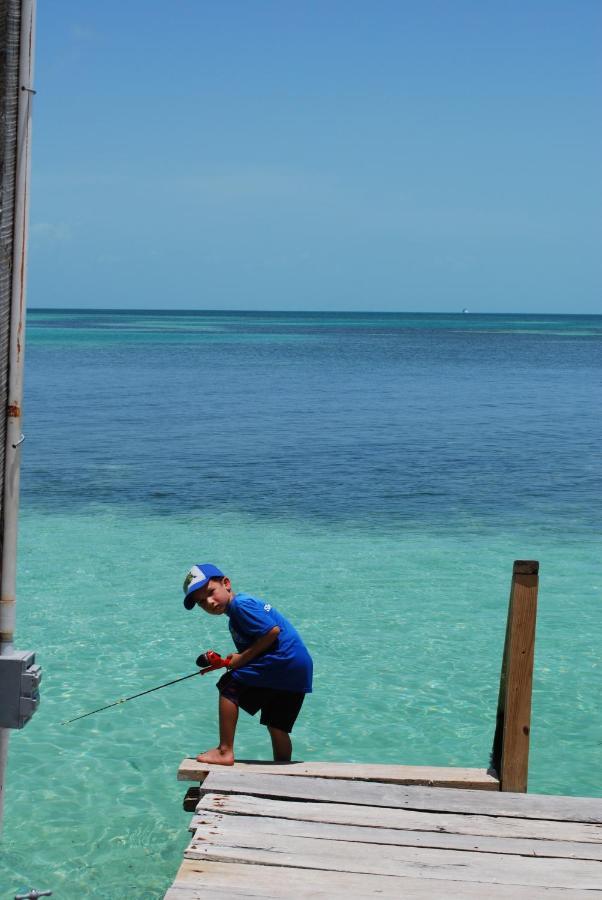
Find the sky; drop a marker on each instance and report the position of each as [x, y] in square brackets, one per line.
[412, 155]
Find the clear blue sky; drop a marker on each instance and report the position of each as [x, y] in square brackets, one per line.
[318, 154]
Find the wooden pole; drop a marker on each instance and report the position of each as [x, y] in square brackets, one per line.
[510, 754]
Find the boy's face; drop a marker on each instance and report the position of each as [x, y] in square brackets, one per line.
[214, 596]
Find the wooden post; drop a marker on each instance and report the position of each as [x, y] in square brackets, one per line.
[191, 799]
[510, 754]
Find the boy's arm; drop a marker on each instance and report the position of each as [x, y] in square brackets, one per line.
[238, 660]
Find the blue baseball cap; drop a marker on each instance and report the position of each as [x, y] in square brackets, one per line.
[198, 576]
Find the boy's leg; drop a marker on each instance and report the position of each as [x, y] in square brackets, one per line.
[223, 754]
[279, 713]
[281, 744]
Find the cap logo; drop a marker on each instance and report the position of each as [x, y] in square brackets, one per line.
[193, 577]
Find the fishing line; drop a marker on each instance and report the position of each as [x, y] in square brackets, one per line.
[207, 662]
[133, 697]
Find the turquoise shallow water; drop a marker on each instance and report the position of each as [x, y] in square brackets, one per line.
[373, 477]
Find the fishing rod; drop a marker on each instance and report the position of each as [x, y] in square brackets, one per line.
[209, 661]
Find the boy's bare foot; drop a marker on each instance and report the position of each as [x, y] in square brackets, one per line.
[217, 757]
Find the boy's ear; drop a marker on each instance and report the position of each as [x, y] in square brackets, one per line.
[227, 583]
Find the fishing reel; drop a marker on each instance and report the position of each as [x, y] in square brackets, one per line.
[209, 661]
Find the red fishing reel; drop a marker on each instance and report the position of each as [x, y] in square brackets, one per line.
[211, 660]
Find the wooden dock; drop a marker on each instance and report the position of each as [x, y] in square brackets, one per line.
[294, 830]
[332, 830]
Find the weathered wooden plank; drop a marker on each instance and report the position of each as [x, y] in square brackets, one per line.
[489, 803]
[380, 817]
[199, 880]
[431, 776]
[409, 862]
[227, 827]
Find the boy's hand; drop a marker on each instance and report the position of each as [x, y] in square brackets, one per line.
[235, 661]
[238, 660]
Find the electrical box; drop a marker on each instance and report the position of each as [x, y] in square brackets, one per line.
[19, 688]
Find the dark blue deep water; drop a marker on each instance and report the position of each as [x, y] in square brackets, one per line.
[341, 418]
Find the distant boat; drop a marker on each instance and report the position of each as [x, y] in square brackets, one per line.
[464, 310]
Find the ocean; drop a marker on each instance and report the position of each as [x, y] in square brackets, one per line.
[373, 476]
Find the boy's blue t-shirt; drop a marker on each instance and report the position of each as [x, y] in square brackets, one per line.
[286, 665]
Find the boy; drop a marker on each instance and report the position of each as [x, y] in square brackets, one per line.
[272, 670]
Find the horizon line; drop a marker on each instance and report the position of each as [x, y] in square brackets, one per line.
[363, 312]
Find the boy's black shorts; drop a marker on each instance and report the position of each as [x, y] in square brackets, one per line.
[279, 709]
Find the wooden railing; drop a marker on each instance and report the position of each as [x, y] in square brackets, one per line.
[510, 753]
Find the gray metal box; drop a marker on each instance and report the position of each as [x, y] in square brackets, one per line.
[19, 688]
